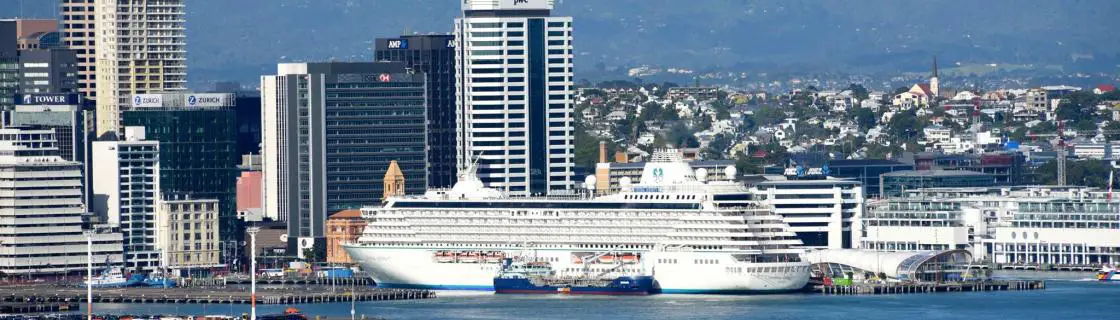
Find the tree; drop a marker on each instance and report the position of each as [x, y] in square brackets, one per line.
[309, 254]
[681, 137]
[1114, 127]
[904, 125]
[745, 164]
[859, 91]
[865, 118]
[1078, 105]
[717, 149]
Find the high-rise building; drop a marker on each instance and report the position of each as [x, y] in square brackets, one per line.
[823, 212]
[330, 131]
[9, 63]
[126, 191]
[52, 70]
[42, 212]
[198, 151]
[141, 48]
[78, 33]
[64, 114]
[514, 79]
[435, 56]
[248, 122]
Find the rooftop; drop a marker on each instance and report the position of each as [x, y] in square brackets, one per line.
[347, 214]
[934, 173]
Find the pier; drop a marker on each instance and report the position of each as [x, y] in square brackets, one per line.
[911, 288]
[299, 295]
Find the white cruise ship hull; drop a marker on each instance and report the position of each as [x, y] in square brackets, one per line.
[685, 272]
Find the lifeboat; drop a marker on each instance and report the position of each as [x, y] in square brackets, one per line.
[629, 258]
[606, 259]
[576, 259]
[493, 257]
[444, 257]
[468, 258]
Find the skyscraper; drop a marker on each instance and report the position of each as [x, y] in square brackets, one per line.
[78, 34]
[514, 80]
[198, 147]
[330, 131]
[42, 210]
[434, 55]
[126, 192]
[50, 70]
[141, 48]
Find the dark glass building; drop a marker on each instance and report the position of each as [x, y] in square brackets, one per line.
[330, 131]
[198, 153]
[1006, 167]
[434, 55]
[896, 184]
[866, 171]
[248, 123]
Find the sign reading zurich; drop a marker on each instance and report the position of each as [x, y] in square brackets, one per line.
[136, 100]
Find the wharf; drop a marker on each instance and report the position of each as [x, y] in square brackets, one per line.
[25, 308]
[908, 288]
[239, 295]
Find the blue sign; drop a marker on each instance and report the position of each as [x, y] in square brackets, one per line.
[397, 43]
[192, 100]
[54, 99]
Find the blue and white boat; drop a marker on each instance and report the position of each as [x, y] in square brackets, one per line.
[114, 277]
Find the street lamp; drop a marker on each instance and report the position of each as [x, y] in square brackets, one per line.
[89, 274]
[253, 272]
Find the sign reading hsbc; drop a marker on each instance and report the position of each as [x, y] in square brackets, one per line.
[206, 100]
[147, 100]
[48, 99]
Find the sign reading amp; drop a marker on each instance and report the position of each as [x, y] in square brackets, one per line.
[397, 43]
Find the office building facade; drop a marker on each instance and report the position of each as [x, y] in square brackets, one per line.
[64, 114]
[514, 81]
[188, 235]
[53, 70]
[434, 55]
[824, 212]
[895, 184]
[78, 33]
[867, 172]
[330, 132]
[126, 192]
[141, 48]
[198, 147]
[42, 212]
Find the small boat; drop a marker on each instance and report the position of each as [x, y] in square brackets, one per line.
[493, 258]
[444, 257]
[159, 281]
[606, 259]
[113, 277]
[539, 278]
[1108, 274]
[629, 259]
[468, 257]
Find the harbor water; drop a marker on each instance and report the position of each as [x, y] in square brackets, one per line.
[1067, 296]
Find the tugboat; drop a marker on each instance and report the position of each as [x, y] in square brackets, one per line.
[1108, 274]
[113, 277]
[539, 278]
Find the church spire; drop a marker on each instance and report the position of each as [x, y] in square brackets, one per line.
[935, 66]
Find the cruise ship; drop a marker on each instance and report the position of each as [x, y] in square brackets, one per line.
[691, 235]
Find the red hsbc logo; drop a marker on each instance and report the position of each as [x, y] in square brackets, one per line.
[384, 77]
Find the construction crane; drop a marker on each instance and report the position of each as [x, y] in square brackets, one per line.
[1061, 135]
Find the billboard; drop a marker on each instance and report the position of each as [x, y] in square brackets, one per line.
[147, 100]
[507, 4]
[206, 100]
[48, 99]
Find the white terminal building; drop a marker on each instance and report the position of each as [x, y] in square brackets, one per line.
[514, 109]
[41, 228]
[125, 192]
[823, 212]
[1011, 226]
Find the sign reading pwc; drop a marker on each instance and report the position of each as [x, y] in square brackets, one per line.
[526, 4]
[205, 100]
[147, 101]
[48, 99]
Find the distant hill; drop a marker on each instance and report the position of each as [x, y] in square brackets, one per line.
[244, 38]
